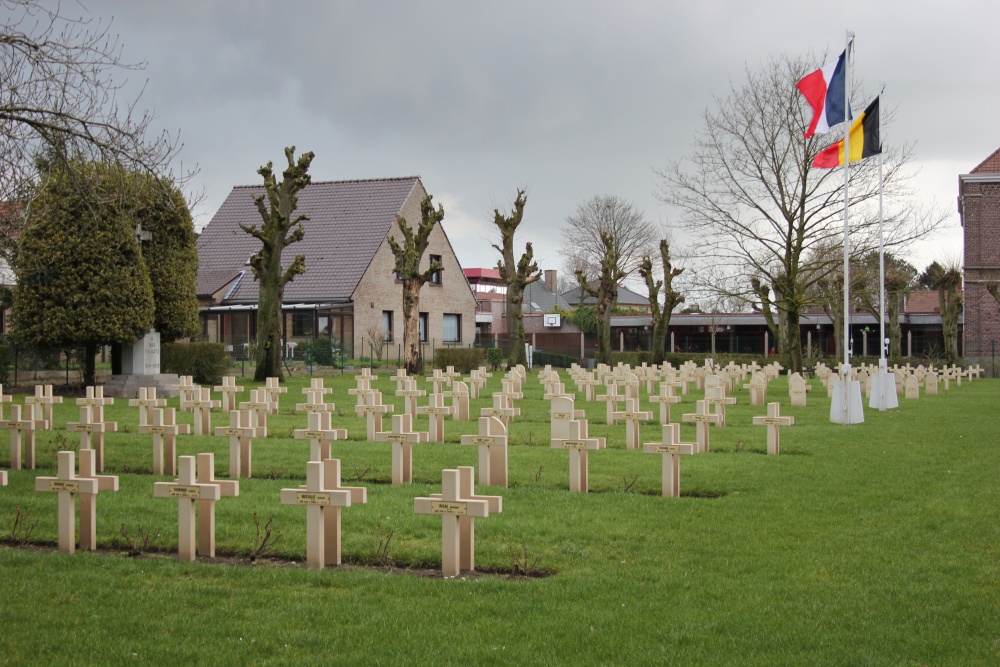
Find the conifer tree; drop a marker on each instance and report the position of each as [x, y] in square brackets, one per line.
[81, 277]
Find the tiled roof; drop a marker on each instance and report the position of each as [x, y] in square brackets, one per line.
[924, 301]
[348, 220]
[990, 165]
[538, 298]
[626, 297]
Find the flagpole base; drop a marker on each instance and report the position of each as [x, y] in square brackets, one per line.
[883, 395]
[846, 406]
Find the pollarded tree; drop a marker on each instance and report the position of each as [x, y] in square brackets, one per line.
[606, 294]
[900, 276]
[672, 299]
[407, 269]
[947, 280]
[748, 193]
[279, 229]
[81, 278]
[517, 275]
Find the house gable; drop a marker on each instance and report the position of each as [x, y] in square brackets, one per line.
[347, 223]
[378, 291]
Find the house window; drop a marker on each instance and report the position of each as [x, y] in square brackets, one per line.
[436, 276]
[387, 325]
[302, 325]
[452, 328]
[423, 327]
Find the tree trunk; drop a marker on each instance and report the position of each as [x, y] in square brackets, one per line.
[950, 306]
[269, 323]
[515, 324]
[604, 330]
[836, 316]
[90, 364]
[894, 300]
[792, 345]
[412, 356]
[659, 345]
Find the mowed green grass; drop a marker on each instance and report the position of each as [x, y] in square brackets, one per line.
[874, 544]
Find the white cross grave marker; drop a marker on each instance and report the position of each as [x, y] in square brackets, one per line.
[323, 496]
[22, 436]
[67, 485]
[492, 444]
[455, 503]
[671, 447]
[186, 490]
[578, 445]
[320, 434]
[773, 421]
[402, 438]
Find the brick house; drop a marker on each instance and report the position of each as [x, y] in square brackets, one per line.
[979, 209]
[348, 292]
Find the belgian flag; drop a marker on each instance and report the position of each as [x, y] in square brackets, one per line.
[864, 141]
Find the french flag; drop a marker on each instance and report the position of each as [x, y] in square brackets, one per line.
[824, 91]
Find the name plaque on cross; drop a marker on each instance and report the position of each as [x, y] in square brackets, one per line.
[574, 444]
[312, 498]
[449, 507]
[666, 449]
[482, 440]
[179, 491]
[63, 485]
[396, 437]
[770, 420]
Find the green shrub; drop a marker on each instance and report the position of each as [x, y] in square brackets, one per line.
[319, 352]
[494, 357]
[551, 359]
[205, 362]
[464, 359]
[635, 358]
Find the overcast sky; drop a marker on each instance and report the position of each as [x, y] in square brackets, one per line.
[565, 99]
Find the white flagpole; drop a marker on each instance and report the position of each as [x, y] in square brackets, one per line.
[881, 264]
[850, 412]
[886, 398]
[847, 239]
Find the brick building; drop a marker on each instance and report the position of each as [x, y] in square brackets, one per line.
[979, 209]
[348, 292]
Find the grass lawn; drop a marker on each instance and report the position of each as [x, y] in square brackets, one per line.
[873, 544]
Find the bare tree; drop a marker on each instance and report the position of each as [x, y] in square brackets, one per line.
[583, 248]
[517, 275]
[407, 268]
[279, 229]
[672, 299]
[749, 195]
[60, 97]
[900, 276]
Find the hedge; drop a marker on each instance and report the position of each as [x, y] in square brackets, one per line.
[205, 362]
[464, 359]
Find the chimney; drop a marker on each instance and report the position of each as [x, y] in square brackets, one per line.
[550, 280]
